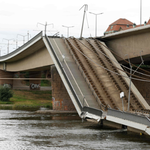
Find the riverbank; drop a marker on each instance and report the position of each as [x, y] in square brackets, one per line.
[28, 100]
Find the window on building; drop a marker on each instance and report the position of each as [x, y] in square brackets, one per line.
[134, 25]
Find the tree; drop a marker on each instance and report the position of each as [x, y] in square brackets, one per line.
[5, 93]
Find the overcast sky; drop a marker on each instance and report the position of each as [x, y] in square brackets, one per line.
[20, 17]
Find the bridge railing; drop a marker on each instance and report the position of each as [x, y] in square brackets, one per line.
[129, 116]
[92, 111]
[64, 74]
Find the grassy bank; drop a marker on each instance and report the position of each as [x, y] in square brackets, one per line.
[28, 100]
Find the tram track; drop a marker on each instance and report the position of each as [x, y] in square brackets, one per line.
[106, 85]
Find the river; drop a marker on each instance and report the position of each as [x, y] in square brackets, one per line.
[25, 130]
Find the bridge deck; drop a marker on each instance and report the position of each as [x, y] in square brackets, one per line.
[94, 84]
[73, 73]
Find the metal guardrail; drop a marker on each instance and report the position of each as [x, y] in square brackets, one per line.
[92, 111]
[65, 75]
[129, 116]
[142, 112]
[23, 46]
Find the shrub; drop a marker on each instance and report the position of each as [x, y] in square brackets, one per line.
[5, 93]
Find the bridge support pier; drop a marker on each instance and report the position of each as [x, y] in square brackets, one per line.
[61, 99]
[35, 84]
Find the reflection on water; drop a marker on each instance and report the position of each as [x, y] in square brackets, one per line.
[23, 130]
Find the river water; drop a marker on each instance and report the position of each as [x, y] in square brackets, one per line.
[24, 130]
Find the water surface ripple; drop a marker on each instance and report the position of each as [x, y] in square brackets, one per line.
[23, 130]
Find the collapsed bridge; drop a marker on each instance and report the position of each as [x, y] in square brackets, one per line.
[91, 75]
[94, 80]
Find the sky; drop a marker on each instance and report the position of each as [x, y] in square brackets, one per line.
[22, 20]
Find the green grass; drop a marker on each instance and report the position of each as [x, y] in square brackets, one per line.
[2, 102]
[30, 100]
[45, 83]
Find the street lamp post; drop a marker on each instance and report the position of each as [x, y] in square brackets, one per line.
[85, 9]
[29, 36]
[67, 29]
[45, 25]
[16, 43]
[140, 12]
[23, 37]
[95, 21]
[8, 44]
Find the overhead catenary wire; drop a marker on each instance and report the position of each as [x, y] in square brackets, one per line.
[124, 60]
[128, 63]
[111, 59]
[108, 69]
[111, 49]
[135, 71]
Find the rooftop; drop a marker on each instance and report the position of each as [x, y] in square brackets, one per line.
[122, 24]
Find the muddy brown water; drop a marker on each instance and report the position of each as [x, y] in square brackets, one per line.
[25, 130]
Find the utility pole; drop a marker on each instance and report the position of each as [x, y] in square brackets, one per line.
[85, 9]
[67, 29]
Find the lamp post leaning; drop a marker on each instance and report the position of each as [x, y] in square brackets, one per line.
[85, 9]
[67, 29]
[95, 21]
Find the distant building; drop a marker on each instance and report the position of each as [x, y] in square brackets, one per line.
[122, 24]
